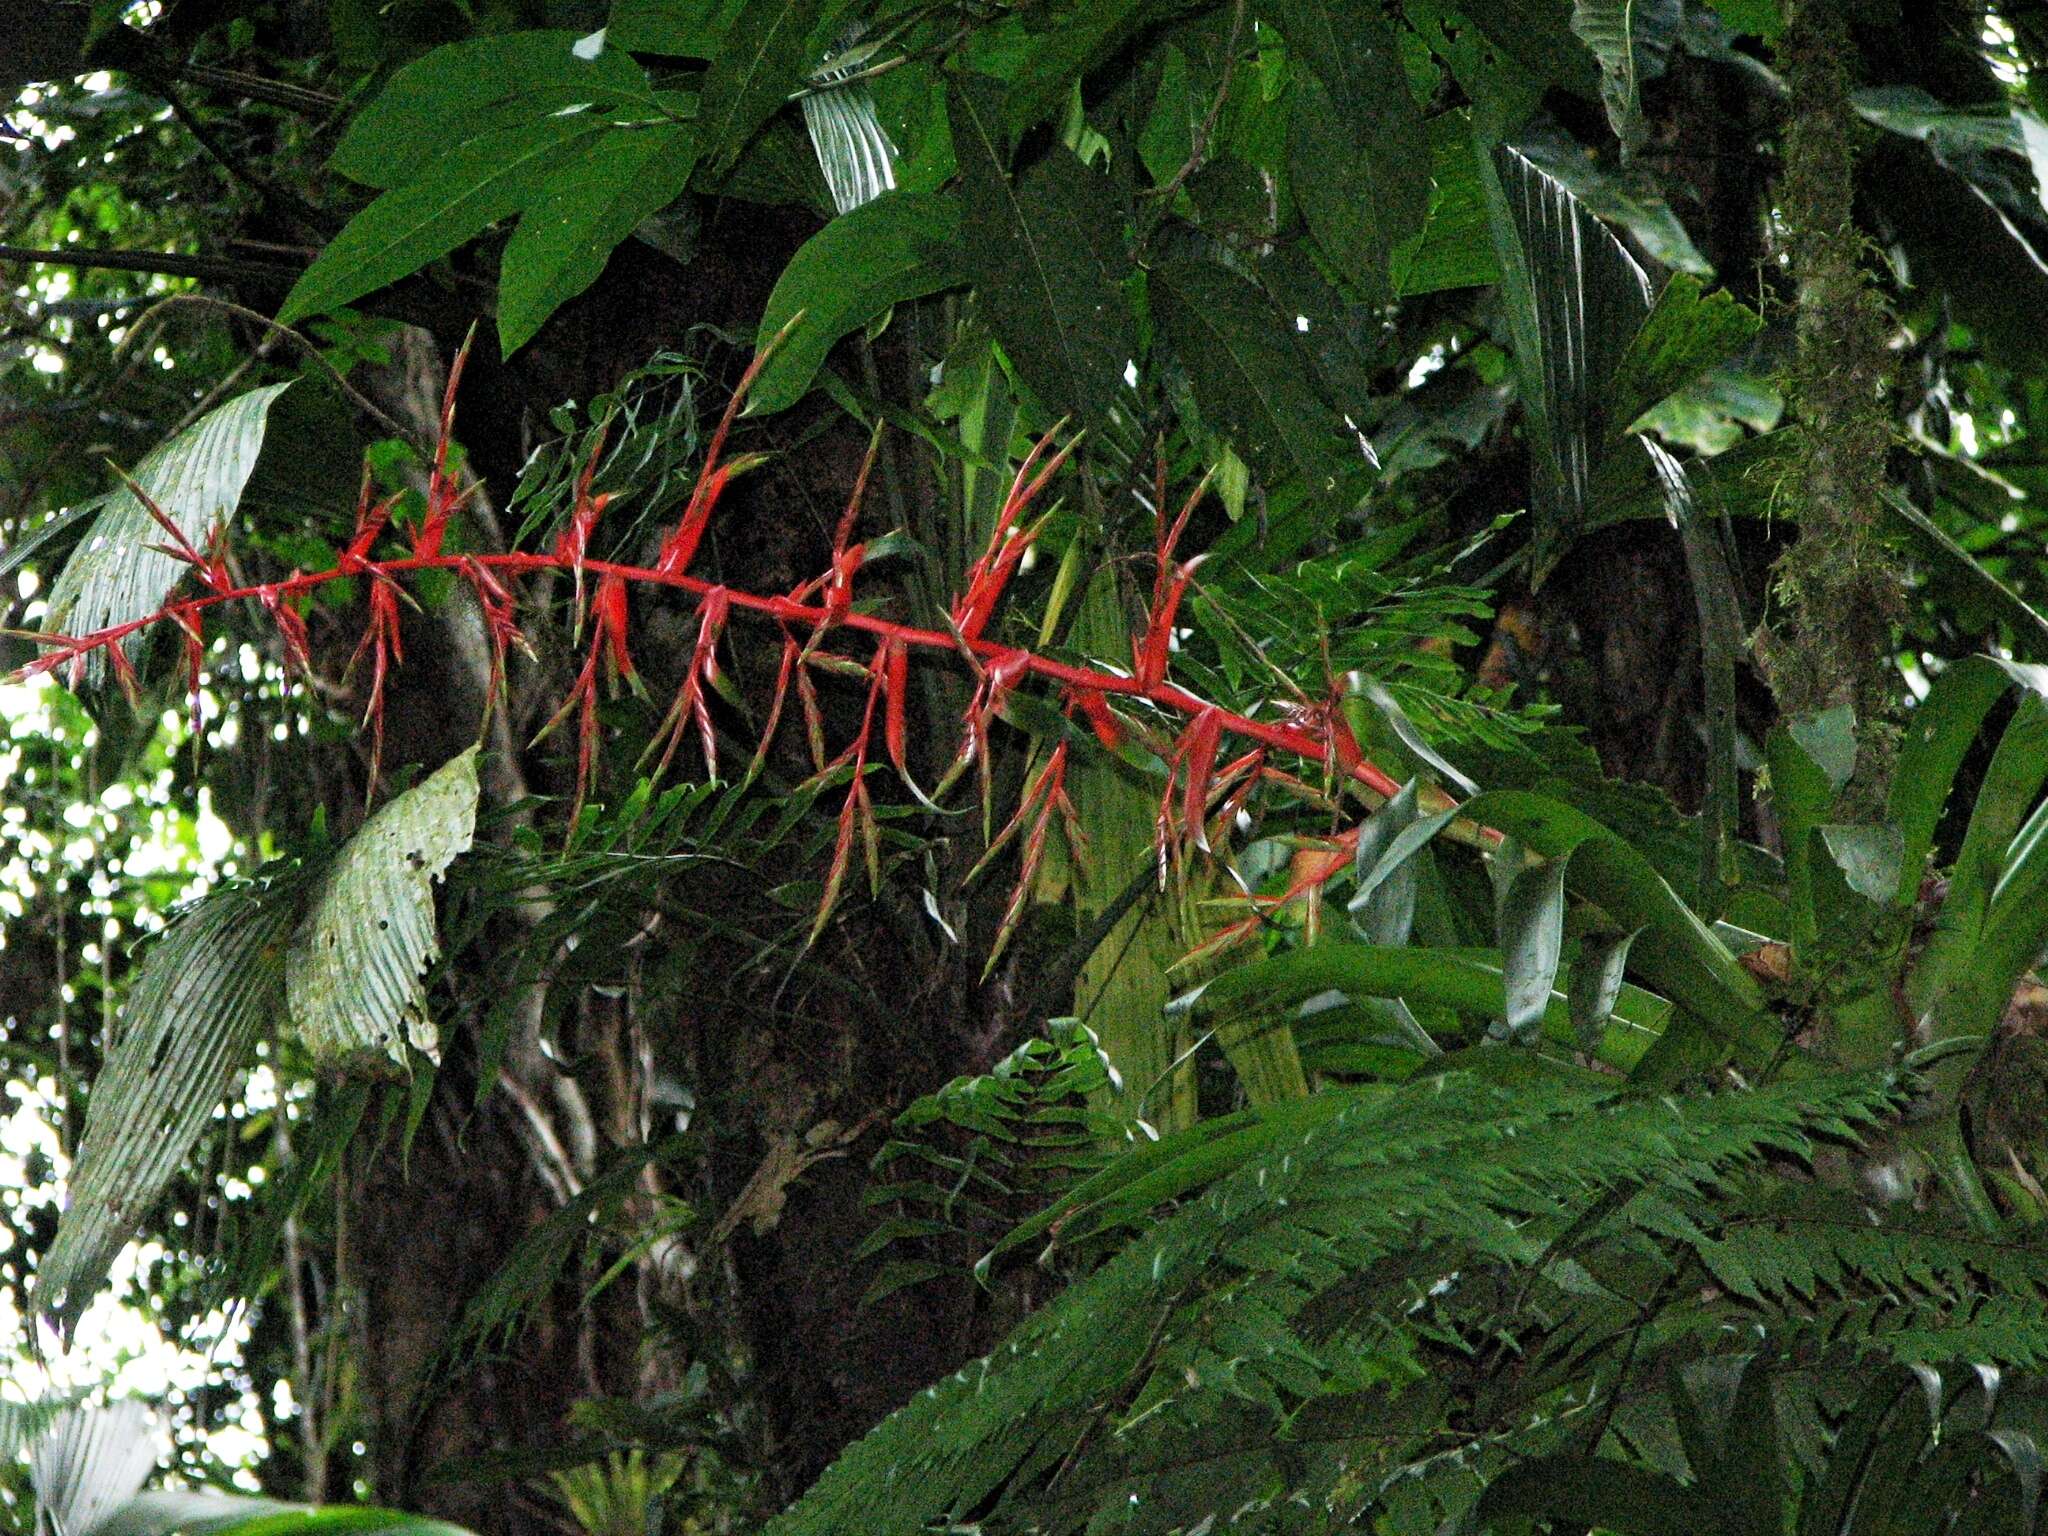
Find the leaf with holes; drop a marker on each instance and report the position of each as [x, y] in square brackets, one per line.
[204, 992]
[114, 576]
[353, 986]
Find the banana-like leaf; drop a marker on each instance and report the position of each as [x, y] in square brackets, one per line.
[90, 1463]
[114, 575]
[854, 150]
[202, 997]
[353, 976]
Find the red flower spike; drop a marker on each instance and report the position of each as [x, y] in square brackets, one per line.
[1198, 746]
[192, 628]
[814, 718]
[1101, 719]
[612, 619]
[443, 497]
[783, 673]
[212, 571]
[291, 625]
[1050, 780]
[702, 672]
[382, 642]
[1150, 658]
[842, 850]
[896, 680]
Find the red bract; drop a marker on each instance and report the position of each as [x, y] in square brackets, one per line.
[701, 673]
[291, 625]
[443, 497]
[381, 640]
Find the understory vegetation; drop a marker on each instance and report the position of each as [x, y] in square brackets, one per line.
[1134, 766]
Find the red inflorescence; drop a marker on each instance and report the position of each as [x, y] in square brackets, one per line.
[809, 616]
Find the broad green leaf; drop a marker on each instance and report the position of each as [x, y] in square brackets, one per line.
[688, 29]
[1531, 940]
[1351, 50]
[204, 993]
[762, 57]
[353, 980]
[113, 576]
[1254, 384]
[1363, 198]
[1757, 18]
[1867, 856]
[579, 214]
[1043, 251]
[1828, 737]
[467, 89]
[455, 197]
[1614, 1495]
[1689, 330]
[1629, 196]
[1061, 56]
[898, 247]
[22, 1424]
[1455, 248]
[1594, 985]
[90, 1463]
[1915, 113]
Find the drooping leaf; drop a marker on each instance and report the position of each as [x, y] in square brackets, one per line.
[1042, 250]
[854, 150]
[2026, 625]
[455, 197]
[1595, 985]
[579, 214]
[353, 981]
[204, 1512]
[114, 576]
[1531, 940]
[1245, 364]
[1455, 247]
[1614, 31]
[205, 991]
[1828, 736]
[1387, 913]
[466, 89]
[898, 247]
[90, 1463]
[763, 56]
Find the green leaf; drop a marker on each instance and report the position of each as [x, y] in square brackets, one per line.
[90, 1463]
[1688, 332]
[764, 56]
[1756, 18]
[1455, 248]
[1610, 30]
[467, 89]
[1061, 56]
[1250, 376]
[1828, 737]
[1531, 938]
[1937, 734]
[2025, 624]
[353, 982]
[898, 247]
[1042, 250]
[1363, 199]
[687, 29]
[579, 214]
[1386, 913]
[455, 197]
[1595, 984]
[854, 151]
[204, 1512]
[113, 576]
[1586, 1490]
[1867, 856]
[205, 991]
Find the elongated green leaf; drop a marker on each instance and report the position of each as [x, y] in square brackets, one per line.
[1387, 913]
[1531, 940]
[1595, 985]
[898, 247]
[2028, 628]
[1689, 330]
[1388, 708]
[113, 576]
[579, 214]
[1250, 377]
[204, 993]
[353, 986]
[203, 1512]
[1455, 248]
[763, 56]
[471, 186]
[1612, 31]
[1937, 734]
[1042, 252]
[469, 88]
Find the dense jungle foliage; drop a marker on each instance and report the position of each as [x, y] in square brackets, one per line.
[1112, 766]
